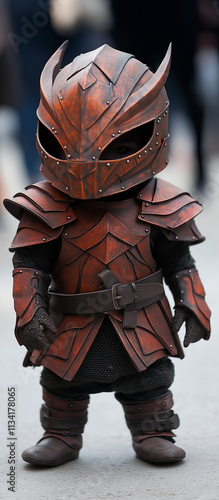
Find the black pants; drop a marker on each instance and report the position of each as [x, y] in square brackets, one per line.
[139, 386]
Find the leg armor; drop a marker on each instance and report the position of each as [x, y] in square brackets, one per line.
[63, 421]
[151, 423]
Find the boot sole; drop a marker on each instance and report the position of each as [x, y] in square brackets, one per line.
[39, 463]
[160, 461]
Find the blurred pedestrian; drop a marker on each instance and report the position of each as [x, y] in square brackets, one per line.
[142, 27]
[39, 28]
[12, 164]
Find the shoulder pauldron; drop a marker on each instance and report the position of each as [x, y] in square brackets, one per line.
[42, 211]
[171, 209]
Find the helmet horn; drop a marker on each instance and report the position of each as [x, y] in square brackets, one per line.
[50, 71]
[143, 97]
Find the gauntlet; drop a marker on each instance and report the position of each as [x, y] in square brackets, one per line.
[34, 328]
[190, 305]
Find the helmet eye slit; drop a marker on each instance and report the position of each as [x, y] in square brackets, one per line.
[49, 142]
[129, 143]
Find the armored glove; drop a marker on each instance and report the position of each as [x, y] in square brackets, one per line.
[194, 331]
[39, 332]
[190, 306]
[34, 328]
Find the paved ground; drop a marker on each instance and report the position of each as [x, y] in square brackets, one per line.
[107, 467]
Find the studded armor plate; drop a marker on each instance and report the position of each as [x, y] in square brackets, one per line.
[98, 235]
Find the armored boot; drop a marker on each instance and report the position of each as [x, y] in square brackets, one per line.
[151, 425]
[63, 421]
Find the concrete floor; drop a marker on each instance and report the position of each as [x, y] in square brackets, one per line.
[107, 467]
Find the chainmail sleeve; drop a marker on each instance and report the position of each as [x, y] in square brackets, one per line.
[170, 256]
[40, 257]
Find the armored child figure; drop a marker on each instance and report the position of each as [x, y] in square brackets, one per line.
[94, 242]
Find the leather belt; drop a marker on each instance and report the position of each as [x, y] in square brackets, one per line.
[129, 296]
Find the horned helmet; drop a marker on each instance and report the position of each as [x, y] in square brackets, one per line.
[102, 122]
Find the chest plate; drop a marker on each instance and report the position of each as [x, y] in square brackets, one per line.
[104, 235]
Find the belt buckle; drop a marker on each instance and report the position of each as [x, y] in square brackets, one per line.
[116, 297]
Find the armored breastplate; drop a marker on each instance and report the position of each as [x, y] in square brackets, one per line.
[103, 235]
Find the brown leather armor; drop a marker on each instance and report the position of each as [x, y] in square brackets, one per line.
[88, 111]
[99, 235]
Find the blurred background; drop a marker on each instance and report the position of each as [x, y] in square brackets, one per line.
[30, 31]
